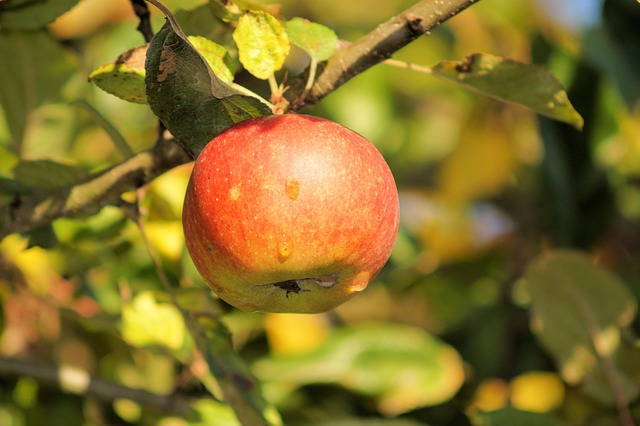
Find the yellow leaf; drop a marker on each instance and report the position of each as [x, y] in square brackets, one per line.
[146, 322]
[294, 334]
[167, 238]
[491, 394]
[35, 263]
[480, 166]
[537, 391]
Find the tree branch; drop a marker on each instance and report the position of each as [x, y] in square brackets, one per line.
[31, 211]
[375, 47]
[87, 197]
[79, 382]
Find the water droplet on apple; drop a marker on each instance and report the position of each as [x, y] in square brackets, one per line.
[285, 248]
[292, 189]
[360, 281]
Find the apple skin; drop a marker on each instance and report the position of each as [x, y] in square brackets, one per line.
[289, 213]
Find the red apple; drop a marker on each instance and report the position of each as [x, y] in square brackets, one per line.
[289, 213]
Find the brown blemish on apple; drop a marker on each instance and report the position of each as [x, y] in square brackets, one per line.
[292, 189]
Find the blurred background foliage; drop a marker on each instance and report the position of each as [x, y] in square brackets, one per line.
[452, 331]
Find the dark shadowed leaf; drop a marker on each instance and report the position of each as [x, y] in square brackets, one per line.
[31, 15]
[579, 311]
[44, 237]
[532, 86]
[186, 95]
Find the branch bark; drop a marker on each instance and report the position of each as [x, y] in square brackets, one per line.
[31, 211]
[375, 47]
[87, 197]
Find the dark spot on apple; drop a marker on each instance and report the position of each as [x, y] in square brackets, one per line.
[290, 286]
[210, 249]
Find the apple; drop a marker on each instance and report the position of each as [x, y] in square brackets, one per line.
[289, 213]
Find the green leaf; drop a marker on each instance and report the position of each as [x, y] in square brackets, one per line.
[32, 15]
[512, 416]
[213, 413]
[44, 237]
[401, 367]
[262, 42]
[579, 311]
[318, 41]
[186, 95]
[124, 78]
[532, 86]
[37, 67]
